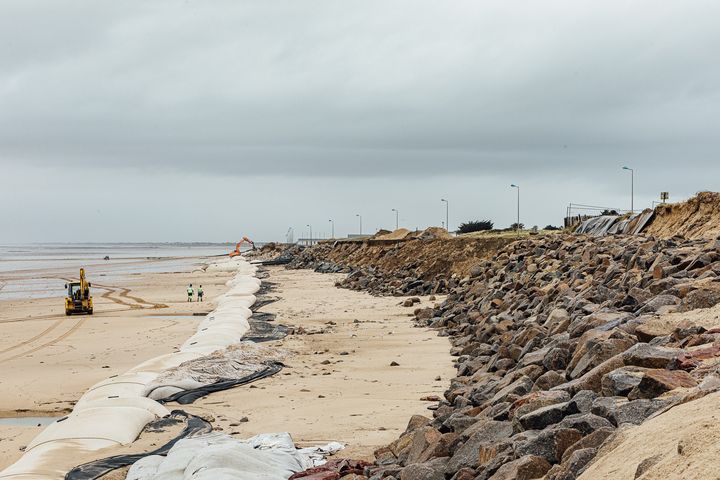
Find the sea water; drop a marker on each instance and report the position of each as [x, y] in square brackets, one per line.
[38, 270]
[28, 421]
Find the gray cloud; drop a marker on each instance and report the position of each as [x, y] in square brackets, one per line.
[547, 92]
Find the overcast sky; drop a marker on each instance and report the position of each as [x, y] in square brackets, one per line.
[143, 120]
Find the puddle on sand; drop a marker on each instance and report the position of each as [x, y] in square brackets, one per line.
[28, 421]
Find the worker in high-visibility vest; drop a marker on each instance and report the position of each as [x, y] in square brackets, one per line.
[200, 293]
[190, 292]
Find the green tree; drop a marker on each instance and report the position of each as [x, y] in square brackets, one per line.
[475, 226]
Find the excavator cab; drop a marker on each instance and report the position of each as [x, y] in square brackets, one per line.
[78, 298]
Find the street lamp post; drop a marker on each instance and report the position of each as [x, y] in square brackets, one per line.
[632, 189]
[311, 241]
[332, 224]
[517, 225]
[397, 218]
[360, 217]
[447, 214]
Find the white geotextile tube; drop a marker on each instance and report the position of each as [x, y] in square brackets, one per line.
[164, 362]
[236, 264]
[114, 411]
[218, 456]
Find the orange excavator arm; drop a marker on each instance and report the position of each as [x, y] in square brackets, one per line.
[236, 252]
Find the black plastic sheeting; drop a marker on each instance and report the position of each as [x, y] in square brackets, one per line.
[282, 260]
[264, 317]
[265, 288]
[92, 470]
[189, 396]
[263, 301]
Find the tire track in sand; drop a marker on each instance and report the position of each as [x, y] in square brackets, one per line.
[124, 293]
[112, 293]
[30, 340]
[69, 332]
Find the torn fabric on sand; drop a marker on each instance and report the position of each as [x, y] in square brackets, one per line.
[236, 365]
[218, 456]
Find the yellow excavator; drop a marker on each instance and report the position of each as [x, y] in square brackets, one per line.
[78, 298]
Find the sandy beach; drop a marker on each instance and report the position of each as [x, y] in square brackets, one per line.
[338, 384]
[49, 360]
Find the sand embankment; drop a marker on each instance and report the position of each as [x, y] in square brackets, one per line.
[425, 258]
[698, 217]
[695, 218]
